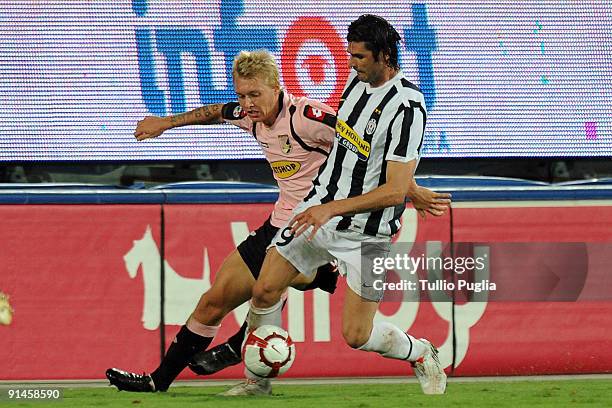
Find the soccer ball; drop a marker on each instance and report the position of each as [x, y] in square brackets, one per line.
[268, 351]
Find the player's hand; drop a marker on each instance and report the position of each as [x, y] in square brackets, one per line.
[428, 201]
[151, 126]
[314, 216]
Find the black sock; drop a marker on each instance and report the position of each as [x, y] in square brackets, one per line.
[236, 340]
[325, 279]
[183, 348]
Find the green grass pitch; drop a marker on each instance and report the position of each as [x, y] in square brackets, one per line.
[565, 393]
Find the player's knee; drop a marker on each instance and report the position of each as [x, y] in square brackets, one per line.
[209, 309]
[265, 294]
[355, 335]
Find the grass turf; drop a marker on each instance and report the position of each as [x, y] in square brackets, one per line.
[566, 393]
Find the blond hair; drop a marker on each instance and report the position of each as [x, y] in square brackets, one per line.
[260, 63]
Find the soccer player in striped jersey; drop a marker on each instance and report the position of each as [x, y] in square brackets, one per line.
[357, 200]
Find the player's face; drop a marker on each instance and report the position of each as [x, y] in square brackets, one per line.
[258, 99]
[362, 61]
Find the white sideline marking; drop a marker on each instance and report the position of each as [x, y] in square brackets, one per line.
[314, 381]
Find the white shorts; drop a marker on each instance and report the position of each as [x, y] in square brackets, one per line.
[354, 252]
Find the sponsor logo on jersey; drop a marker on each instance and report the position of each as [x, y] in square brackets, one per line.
[351, 140]
[313, 113]
[284, 169]
[285, 143]
[371, 127]
[319, 115]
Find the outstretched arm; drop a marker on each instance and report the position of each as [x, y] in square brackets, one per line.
[400, 184]
[153, 126]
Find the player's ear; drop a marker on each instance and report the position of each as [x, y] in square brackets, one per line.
[386, 58]
[381, 57]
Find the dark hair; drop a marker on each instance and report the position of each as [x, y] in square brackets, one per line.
[377, 34]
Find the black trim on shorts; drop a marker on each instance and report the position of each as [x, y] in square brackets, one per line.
[253, 248]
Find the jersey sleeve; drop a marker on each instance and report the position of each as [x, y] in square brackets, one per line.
[233, 113]
[407, 133]
[315, 123]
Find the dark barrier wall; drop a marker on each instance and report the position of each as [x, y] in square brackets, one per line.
[82, 269]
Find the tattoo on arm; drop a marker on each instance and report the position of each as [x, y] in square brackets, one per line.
[205, 115]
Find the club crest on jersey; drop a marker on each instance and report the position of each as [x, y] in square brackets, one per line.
[284, 169]
[285, 143]
[371, 127]
[351, 140]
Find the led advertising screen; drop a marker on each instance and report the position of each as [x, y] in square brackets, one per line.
[500, 78]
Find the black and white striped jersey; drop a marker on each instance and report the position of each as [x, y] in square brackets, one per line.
[375, 125]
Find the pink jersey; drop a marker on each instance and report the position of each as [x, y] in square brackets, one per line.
[296, 145]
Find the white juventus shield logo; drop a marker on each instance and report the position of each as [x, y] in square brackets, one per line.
[371, 127]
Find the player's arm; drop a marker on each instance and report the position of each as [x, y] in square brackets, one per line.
[428, 201]
[316, 125]
[153, 126]
[400, 184]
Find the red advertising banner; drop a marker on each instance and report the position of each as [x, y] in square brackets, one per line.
[70, 277]
[554, 337]
[84, 284]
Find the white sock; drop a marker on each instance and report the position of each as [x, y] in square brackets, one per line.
[389, 341]
[253, 377]
[262, 316]
[271, 315]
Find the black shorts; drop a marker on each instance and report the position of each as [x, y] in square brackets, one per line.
[253, 248]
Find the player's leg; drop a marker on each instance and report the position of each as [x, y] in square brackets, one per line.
[227, 354]
[266, 304]
[253, 251]
[361, 332]
[275, 277]
[325, 279]
[279, 269]
[231, 287]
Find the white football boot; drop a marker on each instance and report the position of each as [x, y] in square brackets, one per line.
[250, 387]
[429, 371]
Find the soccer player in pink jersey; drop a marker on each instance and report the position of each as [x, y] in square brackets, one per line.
[296, 135]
